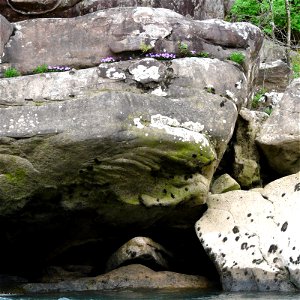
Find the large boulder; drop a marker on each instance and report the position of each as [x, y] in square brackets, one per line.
[125, 31]
[18, 10]
[129, 277]
[85, 112]
[273, 76]
[252, 236]
[88, 155]
[6, 30]
[143, 250]
[246, 164]
[279, 138]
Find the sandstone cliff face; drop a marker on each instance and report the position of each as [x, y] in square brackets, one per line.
[25, 9]
[126, 141]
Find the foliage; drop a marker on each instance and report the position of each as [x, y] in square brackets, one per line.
[41, 69]
[268, 110]
[296, 65]
[237, 57]
[11, 72]
[202, 54]
[256, 98]
[259, 12]
[183, 49]
[145, 48]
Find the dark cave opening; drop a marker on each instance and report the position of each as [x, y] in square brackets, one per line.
[35, 240]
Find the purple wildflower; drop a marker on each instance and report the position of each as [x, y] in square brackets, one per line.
[108, 59]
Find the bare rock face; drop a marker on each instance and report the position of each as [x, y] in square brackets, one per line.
[138, 106]
[273, 76]
[17, 10]
[6, 30]
[279, 138]
[115, 32]
[132, 276]
[252, 236]
[141, 249]
[89, 154]
[246, 165]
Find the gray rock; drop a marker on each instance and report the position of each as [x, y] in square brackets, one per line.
[199, 9]
[132, 276]
[141, 249]
[273, 76]
[246, 165]
[6, 30]
[223, 184]
[126, 29]
[252, 237]
[279, 138]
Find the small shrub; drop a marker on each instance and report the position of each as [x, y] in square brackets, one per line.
[268, 110]
[11, 72]
[202, 54]
[41, 69]
[256, 98]
[183, 49]
[237, 57]
[145, 48]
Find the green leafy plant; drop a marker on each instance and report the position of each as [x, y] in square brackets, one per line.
[267, 15]
[256, 98]
[41, 69]
[202, 54]
[183, 49]
[145, 48]
[296, 65]
[237, 57]
[11, 72]
[268, 110]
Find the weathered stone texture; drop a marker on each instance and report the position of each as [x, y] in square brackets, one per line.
[130, 277]
[279, 138]
[252, 237]
[6, 30]
[197, 9]
[141, 249]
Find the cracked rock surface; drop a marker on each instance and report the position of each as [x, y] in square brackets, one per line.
[252, 236]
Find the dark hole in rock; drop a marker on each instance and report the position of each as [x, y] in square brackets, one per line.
[44, 234]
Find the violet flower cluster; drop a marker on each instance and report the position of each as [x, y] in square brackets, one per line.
[58, 68]
[108, 59]
[163, 55]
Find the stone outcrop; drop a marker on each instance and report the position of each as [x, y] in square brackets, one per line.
[17, 10]
[132, 276]
[125, 146]
[223, 184]
[126, 30]
[141, 249]
[246, 165]
[6, 30]
[273, 76]
[252, 236]
[279, 138]
[64, 112]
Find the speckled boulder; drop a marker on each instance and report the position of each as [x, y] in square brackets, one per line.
[252, 237]
[279, 138]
